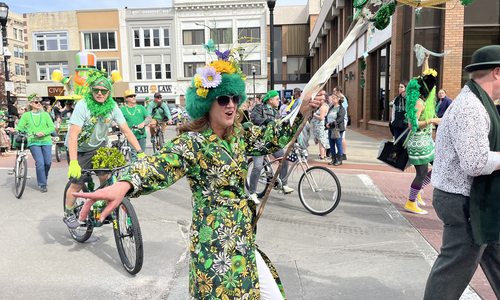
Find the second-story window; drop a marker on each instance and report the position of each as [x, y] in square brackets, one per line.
[166, 37]
[107, 65]
[246, 67]
[45, 69]
[222, 35]
[20, 69]
[193, 37]
[249, 35]
[99, 41]
[168, 71]
[51, 41]
[152, 72]
[190, 68]
[18, 52]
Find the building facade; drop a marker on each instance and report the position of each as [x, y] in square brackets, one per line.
[377, 62]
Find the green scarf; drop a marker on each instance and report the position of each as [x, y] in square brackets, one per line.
[484, 205]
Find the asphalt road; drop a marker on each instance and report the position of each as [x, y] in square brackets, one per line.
[363, 250]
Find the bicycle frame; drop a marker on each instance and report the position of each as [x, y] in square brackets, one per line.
[301, 160]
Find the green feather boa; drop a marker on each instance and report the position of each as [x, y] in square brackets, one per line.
[99, 109]
[412, 96]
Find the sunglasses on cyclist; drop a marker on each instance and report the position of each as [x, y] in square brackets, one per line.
[224, 100]
[102, 91]
[35, 102]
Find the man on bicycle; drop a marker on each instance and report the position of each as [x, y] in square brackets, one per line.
[160, 113]
[136, 115]
[262, 114]
[88, 131]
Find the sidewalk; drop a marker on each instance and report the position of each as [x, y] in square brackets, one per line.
[362, 151]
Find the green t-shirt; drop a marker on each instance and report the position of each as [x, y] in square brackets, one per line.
[34, 122]
[95, 130]
[135, 116]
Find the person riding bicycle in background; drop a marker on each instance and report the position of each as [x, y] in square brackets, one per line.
[136, 115]
[38, 124]
[211, 151]
[160, 113]
[263, 114]
[88, 131]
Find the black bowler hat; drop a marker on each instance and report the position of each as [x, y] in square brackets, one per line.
[485, 58]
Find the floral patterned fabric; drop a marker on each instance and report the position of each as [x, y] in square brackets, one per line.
[222, 242]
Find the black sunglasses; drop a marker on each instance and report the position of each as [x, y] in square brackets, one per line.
[224, 100]
[35, 102]
[102, 91]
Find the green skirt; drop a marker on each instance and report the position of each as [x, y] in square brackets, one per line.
[421, 147]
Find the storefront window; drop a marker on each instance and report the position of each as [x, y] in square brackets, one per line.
[380, 90]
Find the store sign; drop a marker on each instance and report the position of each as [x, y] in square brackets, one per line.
[53, 91]
[147, 89]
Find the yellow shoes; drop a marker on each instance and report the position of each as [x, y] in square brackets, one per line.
[420, 201]
[412, 207]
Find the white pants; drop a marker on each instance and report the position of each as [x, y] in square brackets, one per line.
[268, 288]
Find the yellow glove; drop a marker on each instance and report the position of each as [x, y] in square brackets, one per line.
[74, 170]
[141, 155]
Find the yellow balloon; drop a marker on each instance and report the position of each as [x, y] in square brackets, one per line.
[57, 76]
[116, 76]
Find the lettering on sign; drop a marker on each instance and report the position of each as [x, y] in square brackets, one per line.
[141, 89]
[165, 88]
[53, 91]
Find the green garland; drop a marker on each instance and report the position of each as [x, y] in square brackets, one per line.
[108, 158]
[99, 109]
[466, 2]
[383, 15]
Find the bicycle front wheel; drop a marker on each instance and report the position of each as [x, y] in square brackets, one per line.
[82, 233]
[319, 190]
[58, 153]
[128, 237]
[21, 173]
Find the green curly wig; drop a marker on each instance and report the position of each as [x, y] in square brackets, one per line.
[412, 95]
[231, 84]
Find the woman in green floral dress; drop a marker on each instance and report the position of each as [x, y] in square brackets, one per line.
[211, 151]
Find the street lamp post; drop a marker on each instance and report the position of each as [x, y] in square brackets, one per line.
[270, 5]
[4, 13]
[253, 75]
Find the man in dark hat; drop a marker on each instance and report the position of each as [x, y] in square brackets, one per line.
[467, 188]
[160, 114]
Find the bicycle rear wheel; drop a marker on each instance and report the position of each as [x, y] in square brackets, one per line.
[21, 174]
[128, 237]
[58, 153]
[319, 190]
[161, 140]
[82, 233]
[266, 175]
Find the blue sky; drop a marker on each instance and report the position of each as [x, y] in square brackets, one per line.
[28, 6]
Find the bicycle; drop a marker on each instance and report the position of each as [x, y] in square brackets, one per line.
[158, 139]
[319, 188]
[126, 229]
[20, 170]
[60, 147]
[122, 145]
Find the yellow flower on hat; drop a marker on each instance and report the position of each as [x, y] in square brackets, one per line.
[223, 66]
[430, 72]
[197, 81]
[202, 92]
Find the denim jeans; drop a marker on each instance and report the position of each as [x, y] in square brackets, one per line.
[258, 164]
[459, 257]
[133, 153]
[336, 146]
[43, 158]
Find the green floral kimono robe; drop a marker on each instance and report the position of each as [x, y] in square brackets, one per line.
[222, 243]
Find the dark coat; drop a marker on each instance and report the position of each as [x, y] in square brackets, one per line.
[443, 106]
[339, 122]
[263, 114]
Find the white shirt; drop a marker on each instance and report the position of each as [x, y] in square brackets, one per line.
[462, 145]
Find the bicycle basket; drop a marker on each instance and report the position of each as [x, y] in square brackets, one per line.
[18, 140]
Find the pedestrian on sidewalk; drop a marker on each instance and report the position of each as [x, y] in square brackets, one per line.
[334, 122]
[319, 131]
[345, 104]
[38, 124]
[399, 123]
[467, 183]
[211, 151]
[420, 111]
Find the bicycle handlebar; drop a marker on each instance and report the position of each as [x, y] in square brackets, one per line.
[103, 170]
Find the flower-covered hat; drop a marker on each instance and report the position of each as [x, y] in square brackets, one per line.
[220, 77]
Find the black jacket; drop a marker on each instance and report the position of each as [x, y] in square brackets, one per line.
[339, 121]
[263, 114]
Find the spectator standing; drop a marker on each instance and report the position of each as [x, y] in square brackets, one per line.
[343, 99]
[335, 120]
[442, 104]
[398, 122]
[319, 131]
[467, 182]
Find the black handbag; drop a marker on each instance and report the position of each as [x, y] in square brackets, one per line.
[394, 153]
